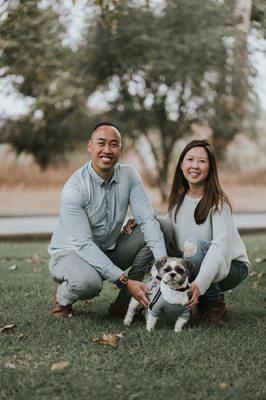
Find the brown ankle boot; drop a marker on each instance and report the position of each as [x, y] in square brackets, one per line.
[119, 307]
[60, 311]
[215, 312]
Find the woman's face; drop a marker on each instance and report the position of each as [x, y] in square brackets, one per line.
[195, 166]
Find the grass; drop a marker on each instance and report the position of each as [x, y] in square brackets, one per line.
[226, 362]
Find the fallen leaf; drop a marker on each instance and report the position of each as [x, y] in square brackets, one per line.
[133, 396]
[13, 267]
[9, 364]
[7, 327]
[59, 365]
[255, 285]
[223, 386]
[88, 301]
[21, 335]
[109, 339]
[35, 258]
[253, 274]
[37, 270]
[259, 260]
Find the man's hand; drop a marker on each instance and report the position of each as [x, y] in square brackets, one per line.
[195, 294]
[139, 290]
[130, 225]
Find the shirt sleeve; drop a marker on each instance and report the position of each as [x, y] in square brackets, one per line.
[217, 261]
[144, 215]
[76, 222]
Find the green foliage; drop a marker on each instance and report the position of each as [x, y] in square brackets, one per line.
[258, 15]
[180, 64]
[32, 51]
[171, 68]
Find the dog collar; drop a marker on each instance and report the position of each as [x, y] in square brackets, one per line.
[183, 289]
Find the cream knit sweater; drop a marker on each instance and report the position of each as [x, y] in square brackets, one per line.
[219, 229]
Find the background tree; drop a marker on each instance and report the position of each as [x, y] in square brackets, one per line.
[32, 52]
[169, 69]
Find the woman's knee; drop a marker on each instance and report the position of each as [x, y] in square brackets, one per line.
[192, 247]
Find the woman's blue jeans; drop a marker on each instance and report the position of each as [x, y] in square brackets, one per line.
[237, 273]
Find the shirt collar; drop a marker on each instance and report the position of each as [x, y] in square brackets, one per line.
[98, 179]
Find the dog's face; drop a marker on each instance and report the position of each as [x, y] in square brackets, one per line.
[174, 272]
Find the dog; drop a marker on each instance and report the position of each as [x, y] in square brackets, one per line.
[169, 284]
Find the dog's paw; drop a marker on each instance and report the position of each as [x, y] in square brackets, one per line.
[149, 330]
[177, 330]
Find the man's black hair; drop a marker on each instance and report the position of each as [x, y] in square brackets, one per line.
[104, 124]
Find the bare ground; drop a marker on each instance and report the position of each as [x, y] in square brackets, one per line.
[46, 200]
[26, 190]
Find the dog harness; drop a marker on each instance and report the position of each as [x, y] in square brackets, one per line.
[158, 305]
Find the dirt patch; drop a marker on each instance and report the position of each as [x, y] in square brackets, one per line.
[46, 200]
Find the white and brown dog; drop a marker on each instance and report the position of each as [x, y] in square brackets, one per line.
[170, 293]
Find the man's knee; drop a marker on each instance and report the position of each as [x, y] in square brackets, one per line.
[86, 288]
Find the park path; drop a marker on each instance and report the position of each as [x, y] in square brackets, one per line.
[43, 226]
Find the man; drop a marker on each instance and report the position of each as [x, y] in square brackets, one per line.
[87, 246]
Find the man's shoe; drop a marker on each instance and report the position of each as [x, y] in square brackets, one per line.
[61, 311]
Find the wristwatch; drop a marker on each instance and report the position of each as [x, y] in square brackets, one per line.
[122, 282]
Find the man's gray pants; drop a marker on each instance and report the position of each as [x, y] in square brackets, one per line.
[78, 280]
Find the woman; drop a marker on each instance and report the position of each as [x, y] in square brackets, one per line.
[204, 231]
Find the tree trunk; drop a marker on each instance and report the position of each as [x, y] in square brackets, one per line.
[231, 106]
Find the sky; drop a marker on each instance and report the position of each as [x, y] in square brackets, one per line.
[14, 104]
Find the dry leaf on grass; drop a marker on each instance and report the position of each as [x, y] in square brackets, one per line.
[253, 274]
[9, 364]
[259, 260]
[7, 327]
[21, 335]
[59, 365]
[255, 285]
[88, 301]
[36, 259]
[13, 267]
[37, 270]
[109, 339]
[223, 386]
[256, 274]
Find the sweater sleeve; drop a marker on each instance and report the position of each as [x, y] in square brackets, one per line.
[217, 261]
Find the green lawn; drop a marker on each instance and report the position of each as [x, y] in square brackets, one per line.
[226, 362]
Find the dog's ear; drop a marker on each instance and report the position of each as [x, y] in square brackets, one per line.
[160, 262]
[188, 265]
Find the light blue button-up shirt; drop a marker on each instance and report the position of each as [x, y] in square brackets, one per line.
[93, 212]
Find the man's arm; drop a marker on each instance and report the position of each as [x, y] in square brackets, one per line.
[76, 223]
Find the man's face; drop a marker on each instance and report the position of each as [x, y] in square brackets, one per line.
[105, 148]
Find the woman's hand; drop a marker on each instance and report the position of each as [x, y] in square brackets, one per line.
[195, 294]
[130, 225]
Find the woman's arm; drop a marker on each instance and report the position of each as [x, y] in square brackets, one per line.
[216, 263]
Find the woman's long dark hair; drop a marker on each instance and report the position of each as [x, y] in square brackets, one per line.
[213, 197]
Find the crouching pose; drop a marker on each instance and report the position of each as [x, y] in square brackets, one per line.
[204, 231]
[170, 294]
[87, 246]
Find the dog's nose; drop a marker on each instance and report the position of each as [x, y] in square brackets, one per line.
[173, 274]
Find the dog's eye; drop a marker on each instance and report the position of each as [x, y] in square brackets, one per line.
[179, 270]
[167, 269]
